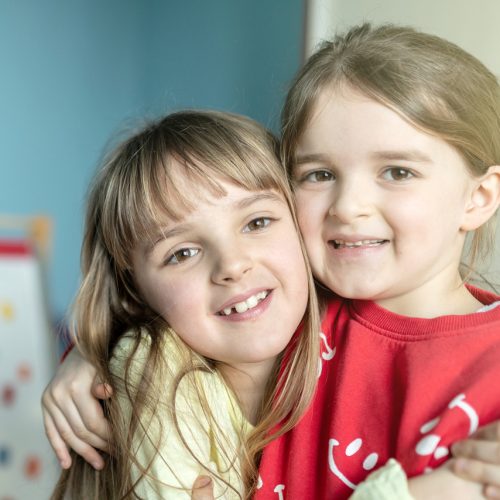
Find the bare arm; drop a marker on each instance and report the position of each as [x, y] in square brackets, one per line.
[72, 415]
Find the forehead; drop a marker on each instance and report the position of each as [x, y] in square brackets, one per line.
[188, 187]
[346, 123]
[209, 208]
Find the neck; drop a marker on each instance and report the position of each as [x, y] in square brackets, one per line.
[432, 300]
[249, 383]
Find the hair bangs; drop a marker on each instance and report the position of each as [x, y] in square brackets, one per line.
[158, 174]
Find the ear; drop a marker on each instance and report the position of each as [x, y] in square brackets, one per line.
[484, 200]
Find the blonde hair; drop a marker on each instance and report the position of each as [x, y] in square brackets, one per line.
[131, 193]
[428, 81]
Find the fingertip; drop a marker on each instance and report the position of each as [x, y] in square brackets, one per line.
[202, 482]
[102, 390]
[460, 466]
[98, 465]
[492, 492]
[65, 462]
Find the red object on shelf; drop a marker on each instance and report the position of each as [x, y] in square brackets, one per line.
[15, 247]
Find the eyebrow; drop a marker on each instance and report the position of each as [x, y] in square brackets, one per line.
[238, 205]
[405, 154]
[309, 158]
[391, 155]
[254, 198]
[163, 235]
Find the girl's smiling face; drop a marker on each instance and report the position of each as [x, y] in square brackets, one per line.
[381, 204]
[229, 277]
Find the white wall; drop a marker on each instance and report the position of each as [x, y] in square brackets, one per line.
[472, 25]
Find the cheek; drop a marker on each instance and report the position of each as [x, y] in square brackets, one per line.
[182, 311]
[311, 219]
[297, 281]
[172, 299]
[309, 214]
[302, 205]
[286, 254]
[425, 218]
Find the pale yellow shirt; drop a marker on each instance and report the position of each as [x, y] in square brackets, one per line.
[197, 441]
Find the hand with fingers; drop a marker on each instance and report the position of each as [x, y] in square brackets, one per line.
[478, 458]
[202, 489]
[72, 414]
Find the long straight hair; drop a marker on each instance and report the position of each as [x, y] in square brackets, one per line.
[131, 194]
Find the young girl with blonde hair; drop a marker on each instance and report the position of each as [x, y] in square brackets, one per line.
[194, 282]
[392, 140]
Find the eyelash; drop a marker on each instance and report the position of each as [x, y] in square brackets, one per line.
[178, 253]
[408, 174]
[312, 176]
[267, 221]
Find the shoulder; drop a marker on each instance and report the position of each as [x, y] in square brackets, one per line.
[136, 349]
[170, 368]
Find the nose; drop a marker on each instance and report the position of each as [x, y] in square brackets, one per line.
[351, 200]
[231, 264]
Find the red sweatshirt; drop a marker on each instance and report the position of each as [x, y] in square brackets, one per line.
[390, 386]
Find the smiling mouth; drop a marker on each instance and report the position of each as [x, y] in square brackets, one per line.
[339, 244]
[245, 305]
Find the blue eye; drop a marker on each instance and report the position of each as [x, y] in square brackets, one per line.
[319, 176]
[397, 174]
[181, 255]
[257, 224]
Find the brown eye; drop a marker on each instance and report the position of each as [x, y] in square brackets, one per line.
[397, 174]
[319, 176]
[181, 255]
[257, 224]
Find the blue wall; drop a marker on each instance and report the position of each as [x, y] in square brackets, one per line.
[75, 72]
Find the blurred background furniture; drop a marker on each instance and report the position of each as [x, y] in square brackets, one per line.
[28, 467]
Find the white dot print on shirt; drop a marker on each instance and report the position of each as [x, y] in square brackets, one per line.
[429, 443]
[351, 449]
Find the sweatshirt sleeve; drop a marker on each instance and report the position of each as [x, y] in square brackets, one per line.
[387, 483]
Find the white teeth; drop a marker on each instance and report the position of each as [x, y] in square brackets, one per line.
[252, 301]
[352, 244]
[241, 307]
[247, 304]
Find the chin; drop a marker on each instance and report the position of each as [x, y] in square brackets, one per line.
[348, 292]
